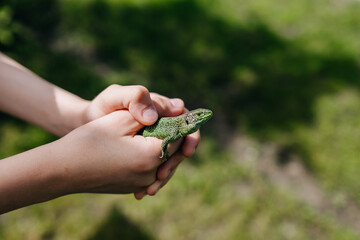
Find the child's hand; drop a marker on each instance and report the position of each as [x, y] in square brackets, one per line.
[96, 155]
[106, 156]
[145, 107]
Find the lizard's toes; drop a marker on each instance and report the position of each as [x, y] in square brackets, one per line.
[164, 156]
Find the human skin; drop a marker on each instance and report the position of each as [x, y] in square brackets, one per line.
[99, 150]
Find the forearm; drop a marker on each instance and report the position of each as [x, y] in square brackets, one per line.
[27, 96]
[31, 177]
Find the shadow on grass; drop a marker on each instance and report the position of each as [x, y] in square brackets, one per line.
[248, 74]
[117, 226]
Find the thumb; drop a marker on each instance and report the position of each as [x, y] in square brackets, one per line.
[134, 98]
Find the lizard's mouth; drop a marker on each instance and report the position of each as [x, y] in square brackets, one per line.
[204, 116]
[198, 117]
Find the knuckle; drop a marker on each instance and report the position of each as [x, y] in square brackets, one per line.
[155, 95]
[113, 87]
[162, 104]
[139, 91]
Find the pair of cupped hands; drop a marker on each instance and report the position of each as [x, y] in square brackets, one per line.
[107, 155]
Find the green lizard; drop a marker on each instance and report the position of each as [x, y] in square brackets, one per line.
[173, 128]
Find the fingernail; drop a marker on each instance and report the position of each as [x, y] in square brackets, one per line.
[150, 115]
[177, 102]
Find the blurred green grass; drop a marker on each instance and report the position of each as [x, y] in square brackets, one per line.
[282, 78]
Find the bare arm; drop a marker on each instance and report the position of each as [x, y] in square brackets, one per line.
[103, 156]
[29, 177]
[27, 96]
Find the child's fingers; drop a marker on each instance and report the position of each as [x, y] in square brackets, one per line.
[169, 166]
[134, 98]
[140, 195]
[164, 174]
[174, 147]
[190, 143]
[167, 107]
[158, 184]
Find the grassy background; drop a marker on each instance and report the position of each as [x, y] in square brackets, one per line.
[279, 160]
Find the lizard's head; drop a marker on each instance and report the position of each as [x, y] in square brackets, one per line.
[196, 118]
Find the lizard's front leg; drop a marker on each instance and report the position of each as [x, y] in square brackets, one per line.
[165, 143]
[164, 151]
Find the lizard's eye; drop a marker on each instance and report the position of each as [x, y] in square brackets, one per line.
[187, 121]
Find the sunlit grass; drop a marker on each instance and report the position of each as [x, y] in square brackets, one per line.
[333, 142]
[215, 195]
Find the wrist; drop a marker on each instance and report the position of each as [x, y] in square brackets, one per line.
[71, 112]
[75, 116]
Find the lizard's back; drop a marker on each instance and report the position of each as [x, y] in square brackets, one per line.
[163, 127]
